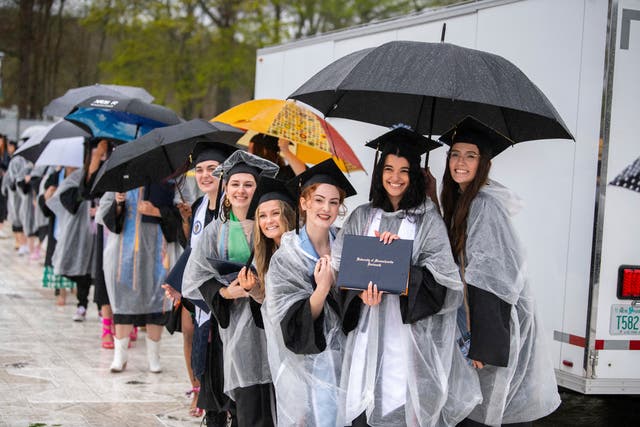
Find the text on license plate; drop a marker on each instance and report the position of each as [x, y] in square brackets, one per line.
[625, 320]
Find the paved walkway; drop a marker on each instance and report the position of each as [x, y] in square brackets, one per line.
[53, 371]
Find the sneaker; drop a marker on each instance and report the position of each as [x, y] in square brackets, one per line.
[23, 250]
[35, 255]
[81, 314]
[4, 234]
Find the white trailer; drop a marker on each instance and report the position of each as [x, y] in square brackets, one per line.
[578, 230]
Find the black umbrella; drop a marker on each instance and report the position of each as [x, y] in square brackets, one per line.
[431, 87]
[63, 105]
[33, 147]
[119, 117]
[161, 153]
[629, 178]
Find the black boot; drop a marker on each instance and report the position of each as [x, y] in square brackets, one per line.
[215, 419]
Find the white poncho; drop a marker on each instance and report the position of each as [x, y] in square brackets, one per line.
[408, 374]
[244, 344]
[307, 385]
[76, 232]
[526, 389]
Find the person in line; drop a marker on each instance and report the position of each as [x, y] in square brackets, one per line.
[96, 152]
[247, 379]
[201, 338]
[277, 150]
[506, 339]
[4, 165]
[400, 349]
[75, 237]
[40, 220]
[60, 283]
[19, 167]
[301, 312]
[144, 225]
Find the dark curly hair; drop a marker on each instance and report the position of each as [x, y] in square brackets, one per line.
[416, 193]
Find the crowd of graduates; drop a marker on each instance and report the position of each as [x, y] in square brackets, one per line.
[245, 267]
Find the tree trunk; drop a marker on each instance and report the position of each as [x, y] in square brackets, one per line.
[25, 43]
[223, 99]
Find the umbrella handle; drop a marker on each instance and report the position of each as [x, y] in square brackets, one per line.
[180, 193]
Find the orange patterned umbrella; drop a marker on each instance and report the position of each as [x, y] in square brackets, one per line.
[315, 139]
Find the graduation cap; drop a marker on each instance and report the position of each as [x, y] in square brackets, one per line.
[269, 189]
[472, 131]
[242, 162]
[216, 151]
[402, 138]
[326, 172]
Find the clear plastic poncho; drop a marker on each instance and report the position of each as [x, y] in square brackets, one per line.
[495, 262]
[20, 205]
[244, 345]
[407, 374]
[17, 167]
[39, 218]
[27, 209]
[73, 255]
[307, 385]
[136, 260]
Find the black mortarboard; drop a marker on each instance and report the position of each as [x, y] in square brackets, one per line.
[269, 189]
[242, 162]
[405, 138]
[216, 151]
[326, 172]
[473, 131]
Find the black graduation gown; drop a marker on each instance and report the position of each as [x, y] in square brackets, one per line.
[206, 356]
[302, 334]
[256, 401]
[490, 319]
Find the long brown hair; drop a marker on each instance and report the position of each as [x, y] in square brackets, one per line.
[456, 203]
[265, 247]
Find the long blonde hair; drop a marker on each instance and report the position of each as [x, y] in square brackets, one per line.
[264, 247]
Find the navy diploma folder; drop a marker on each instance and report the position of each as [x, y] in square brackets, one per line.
[228, 270]
[366, 259]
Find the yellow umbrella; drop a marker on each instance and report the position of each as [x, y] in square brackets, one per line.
[314, 138]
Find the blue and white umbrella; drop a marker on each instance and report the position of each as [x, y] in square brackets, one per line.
[120, 118]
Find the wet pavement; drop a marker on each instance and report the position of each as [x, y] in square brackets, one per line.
[53, 371]
[588, 410]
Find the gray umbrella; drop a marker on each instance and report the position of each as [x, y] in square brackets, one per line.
[629, 178]
[63, 105]
[33, 147]
[431, 87]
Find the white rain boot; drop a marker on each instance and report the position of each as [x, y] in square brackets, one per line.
[120, 347]
[153, 355]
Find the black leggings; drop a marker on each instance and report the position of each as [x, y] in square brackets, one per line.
[83, 284]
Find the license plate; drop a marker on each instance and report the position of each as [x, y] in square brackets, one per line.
[625, 320]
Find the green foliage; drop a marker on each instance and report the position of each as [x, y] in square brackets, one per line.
[195, 56]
